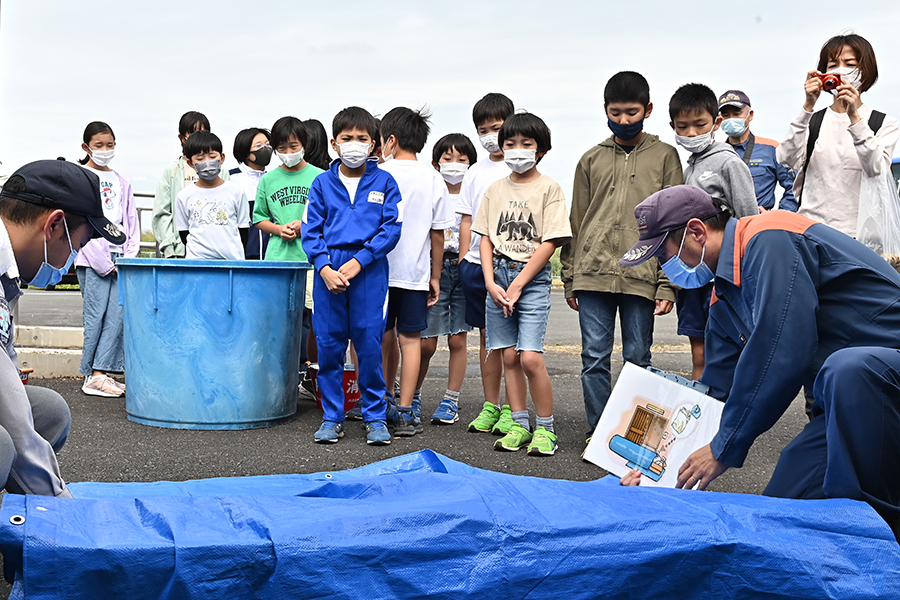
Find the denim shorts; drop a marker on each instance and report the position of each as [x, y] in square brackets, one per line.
[448, 316]
[526, 326]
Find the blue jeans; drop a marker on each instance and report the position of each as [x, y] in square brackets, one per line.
[597, 317]
[104, 330]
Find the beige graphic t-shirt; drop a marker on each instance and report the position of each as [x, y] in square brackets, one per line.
[517, 217]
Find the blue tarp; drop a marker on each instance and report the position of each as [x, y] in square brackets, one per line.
[423, 525]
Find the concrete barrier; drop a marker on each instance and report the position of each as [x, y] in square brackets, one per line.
[50, 351]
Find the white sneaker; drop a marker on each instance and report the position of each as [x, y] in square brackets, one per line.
[101, 385]
[116, 383]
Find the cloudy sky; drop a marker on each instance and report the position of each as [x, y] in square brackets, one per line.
[139, 66]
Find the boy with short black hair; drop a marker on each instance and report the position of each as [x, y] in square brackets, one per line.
[451, 156]
[522, 219]
[717, 169]
[488, 114]
[611, 179]
[352, 223]
[212, 215]
[175, 178]
[415, 263]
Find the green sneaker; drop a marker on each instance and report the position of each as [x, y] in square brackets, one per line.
[518, 437]
[486, 419]
[504, 422]
[543, 443]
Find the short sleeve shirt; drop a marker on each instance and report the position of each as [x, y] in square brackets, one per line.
[212, 217]
[518, 217]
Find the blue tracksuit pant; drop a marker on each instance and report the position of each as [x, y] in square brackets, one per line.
[358, 314]
[853, 449]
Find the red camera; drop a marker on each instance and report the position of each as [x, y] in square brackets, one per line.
[830, 81]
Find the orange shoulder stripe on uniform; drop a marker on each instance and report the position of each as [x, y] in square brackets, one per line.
[714, 298]
[773, 220]
[766, 141]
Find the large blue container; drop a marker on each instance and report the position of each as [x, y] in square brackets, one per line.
[211, 344]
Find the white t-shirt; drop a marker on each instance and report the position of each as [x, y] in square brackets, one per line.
[248, 180]
[351, 183]
[478, 179]
[451, 234]
[423, 207]
[212, 218]
[111, 195]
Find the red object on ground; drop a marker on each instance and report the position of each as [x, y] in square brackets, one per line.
[351, 386]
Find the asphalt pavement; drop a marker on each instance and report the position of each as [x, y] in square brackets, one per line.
[105, 446]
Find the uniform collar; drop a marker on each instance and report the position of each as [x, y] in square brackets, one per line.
[725, 267]
[8, 264]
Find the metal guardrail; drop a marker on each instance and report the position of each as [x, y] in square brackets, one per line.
[152, 246]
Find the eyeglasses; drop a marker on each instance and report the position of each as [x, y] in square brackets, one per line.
[258, 146]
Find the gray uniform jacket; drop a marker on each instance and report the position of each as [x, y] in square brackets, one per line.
[35, 470]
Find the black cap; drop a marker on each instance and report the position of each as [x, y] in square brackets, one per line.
[58, 184]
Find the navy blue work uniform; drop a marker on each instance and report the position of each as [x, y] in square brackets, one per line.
[340, 228]
[768, 173]
[795, 302]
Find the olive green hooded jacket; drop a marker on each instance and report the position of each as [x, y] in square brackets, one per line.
[609, 184]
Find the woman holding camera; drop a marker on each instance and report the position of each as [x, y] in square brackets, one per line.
[849, 141]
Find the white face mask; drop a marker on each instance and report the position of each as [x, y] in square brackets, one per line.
[695, 144]
[290, 160]
[520, 159]
[102, 158]
[354, 154]
[851, 75]
[490, 141]
[453, 172]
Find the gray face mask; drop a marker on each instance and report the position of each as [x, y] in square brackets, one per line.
[208, 169]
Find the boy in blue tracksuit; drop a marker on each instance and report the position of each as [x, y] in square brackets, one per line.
[352, 223]
[795, 301]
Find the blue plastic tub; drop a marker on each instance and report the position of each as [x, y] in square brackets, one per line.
[211, 344]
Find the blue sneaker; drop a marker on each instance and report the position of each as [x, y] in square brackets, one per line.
[377, 433]
[355, 413]
[329, 433]
[447, 413]
[417, 407]
[407, 423]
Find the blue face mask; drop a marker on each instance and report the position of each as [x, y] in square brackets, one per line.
[625, 132]
[50, 275]
[684, 276]
[734, 127]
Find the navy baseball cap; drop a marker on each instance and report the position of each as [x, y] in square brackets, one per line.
[666, 210]
[734, 98]
[58, 184]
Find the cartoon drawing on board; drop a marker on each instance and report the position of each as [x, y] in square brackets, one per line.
[647, 439]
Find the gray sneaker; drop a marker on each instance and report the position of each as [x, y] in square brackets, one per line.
[407, 424]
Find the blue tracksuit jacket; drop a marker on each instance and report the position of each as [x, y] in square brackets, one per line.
[369, 223]
[789, 292]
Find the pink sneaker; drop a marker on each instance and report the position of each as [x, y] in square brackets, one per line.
[117, 383]
[101, 385]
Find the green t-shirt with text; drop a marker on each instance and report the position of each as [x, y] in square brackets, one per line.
[281, 197]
